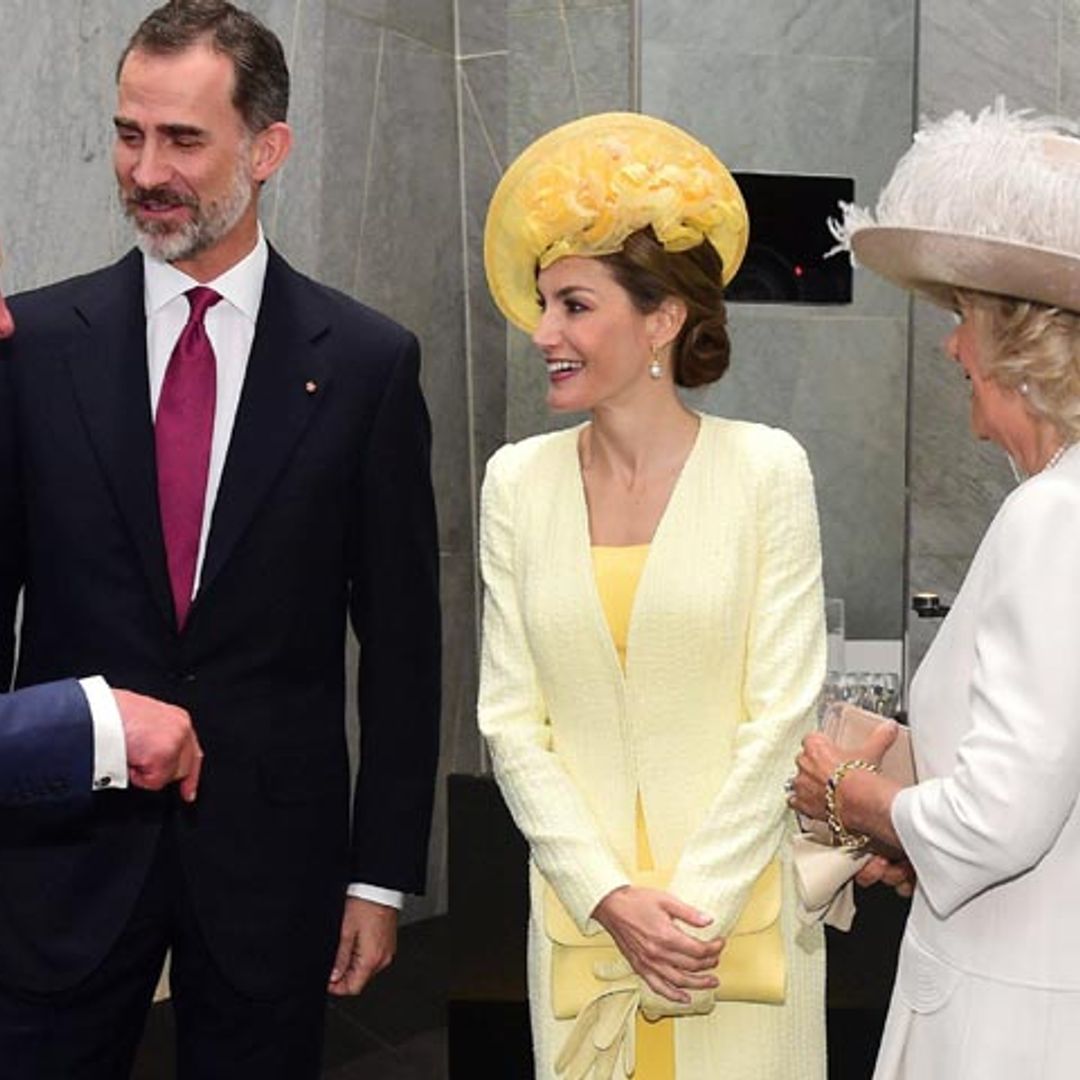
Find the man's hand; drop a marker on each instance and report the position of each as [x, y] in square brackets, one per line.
[367, 945]
[898, 875]
[161, 744]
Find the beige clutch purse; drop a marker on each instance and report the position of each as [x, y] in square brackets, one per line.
[849, 727]
[752, 966]
[823, 872]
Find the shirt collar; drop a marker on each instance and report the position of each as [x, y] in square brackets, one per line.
[241, 285]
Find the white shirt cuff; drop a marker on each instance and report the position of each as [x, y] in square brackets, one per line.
[110, 753]
[386, 897]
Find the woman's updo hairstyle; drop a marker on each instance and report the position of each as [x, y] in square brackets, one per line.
[649, 274]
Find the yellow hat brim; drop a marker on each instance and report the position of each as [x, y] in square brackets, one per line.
[512, 251]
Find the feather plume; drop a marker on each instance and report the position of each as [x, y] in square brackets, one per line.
[1002, 175]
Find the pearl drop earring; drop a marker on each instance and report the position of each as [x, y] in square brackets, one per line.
[655, 368]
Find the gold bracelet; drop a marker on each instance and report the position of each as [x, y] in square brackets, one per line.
[841, 836]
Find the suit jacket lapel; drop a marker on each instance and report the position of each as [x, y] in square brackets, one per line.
[287, 376]
[113, 392]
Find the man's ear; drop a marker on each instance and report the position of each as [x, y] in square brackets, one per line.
[269, 149]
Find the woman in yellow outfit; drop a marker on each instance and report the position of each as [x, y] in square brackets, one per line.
[653, 638]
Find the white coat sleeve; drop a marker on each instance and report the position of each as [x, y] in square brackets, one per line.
[1017, 772]
[563, 836]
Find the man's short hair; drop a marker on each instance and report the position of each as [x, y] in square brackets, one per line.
[261, 90]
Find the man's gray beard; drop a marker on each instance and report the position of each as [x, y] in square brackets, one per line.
[203, 231]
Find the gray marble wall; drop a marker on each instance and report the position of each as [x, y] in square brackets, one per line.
[814, 87]
[970, 51]
[371, 202]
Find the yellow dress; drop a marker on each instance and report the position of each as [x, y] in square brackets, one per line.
[617, 571]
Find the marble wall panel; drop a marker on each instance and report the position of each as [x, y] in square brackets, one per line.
[600, 47]
[353, 58]
[517, 7]
[971, 52]
[483, 127]
[877, 29]
[481, 27]
[566, 61]
[1068, 64]
[542, 90]
[410, 249]
[429, 21]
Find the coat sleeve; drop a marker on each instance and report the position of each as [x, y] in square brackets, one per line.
[394, 606]
[1017, 772]
[542, 797]
[46, 745]
[785, 666]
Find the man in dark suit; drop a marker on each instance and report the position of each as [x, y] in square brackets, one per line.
[60, 741]
[207, 464]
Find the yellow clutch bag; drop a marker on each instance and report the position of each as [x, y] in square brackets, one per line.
[752, 966]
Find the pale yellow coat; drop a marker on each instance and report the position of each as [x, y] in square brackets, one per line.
[724, 661]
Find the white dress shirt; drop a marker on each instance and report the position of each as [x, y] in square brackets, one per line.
[110, 754]
[230, 326]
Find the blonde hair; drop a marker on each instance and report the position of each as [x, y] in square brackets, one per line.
[1032, 348]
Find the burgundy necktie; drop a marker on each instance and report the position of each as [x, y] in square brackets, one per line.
[183, 431]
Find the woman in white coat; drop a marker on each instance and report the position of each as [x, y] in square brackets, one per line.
[981, 216]
[653, 639]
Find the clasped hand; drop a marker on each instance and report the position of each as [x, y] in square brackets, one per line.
[818, 760]
[643, 923]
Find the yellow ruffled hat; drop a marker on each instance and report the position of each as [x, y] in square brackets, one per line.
[583, 188]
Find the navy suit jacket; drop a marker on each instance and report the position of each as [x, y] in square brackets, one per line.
[46, 745]
[325, 513]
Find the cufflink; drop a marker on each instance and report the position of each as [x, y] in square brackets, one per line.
[311, 386]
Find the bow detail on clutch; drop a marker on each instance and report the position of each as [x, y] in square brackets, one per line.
[824, 881]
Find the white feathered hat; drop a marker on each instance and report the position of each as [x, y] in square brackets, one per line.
[990, 203]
